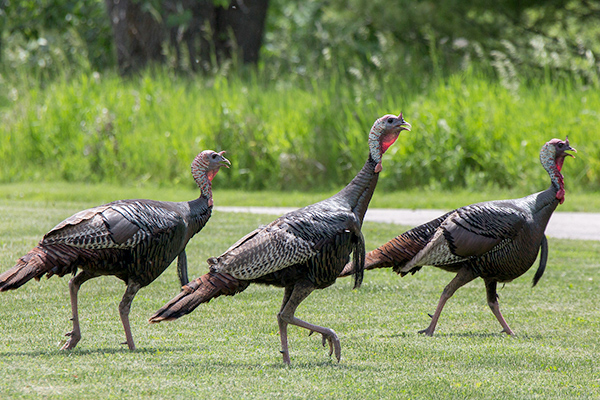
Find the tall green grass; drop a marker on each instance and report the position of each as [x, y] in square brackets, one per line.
[468, 132]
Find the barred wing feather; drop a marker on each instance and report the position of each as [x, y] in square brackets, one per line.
[291, 239]
[470, 231]
[118, 225]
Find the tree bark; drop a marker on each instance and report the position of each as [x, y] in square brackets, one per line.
[195, 31]
[138, 35]
[213, 33]
[245, 19]
[207, 31]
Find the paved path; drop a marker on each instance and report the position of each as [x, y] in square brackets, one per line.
[562, 225]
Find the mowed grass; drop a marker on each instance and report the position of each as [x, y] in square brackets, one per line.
[95, 194]
[229, 348]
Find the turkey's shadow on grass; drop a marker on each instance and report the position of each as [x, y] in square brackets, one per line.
[481, 335]
[274, 365]
[86, 352]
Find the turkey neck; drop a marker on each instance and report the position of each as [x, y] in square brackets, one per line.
[544, 204]
[197, 211]
[357, 194]
[547, 201]
[202, 206]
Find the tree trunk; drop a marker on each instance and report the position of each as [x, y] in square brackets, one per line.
[206, 31]
[213, 33]
[138, 35]
[245, 19]
[194, 28]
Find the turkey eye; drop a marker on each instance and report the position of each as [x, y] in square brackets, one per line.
[561, 145]
[214, 156]
[390, 120]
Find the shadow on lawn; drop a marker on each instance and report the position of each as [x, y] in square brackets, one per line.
[85, 352]
[237, 365]
[276, 364]
[481, 335]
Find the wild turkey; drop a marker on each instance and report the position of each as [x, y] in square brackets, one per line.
[495, 240]
[134, 240]
[301, 251]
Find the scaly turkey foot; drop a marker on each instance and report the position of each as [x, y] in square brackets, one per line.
[431, 327]
[427, 332]
[334, 343]
[131, 346]
[286, 357]
[508, 332]
[74, 338]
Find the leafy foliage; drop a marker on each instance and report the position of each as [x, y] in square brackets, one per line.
[47, 37]
[513, 40]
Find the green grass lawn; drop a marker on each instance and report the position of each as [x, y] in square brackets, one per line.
[229, 348]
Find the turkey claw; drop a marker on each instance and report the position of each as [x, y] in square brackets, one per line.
[72, 341]
[334, 344]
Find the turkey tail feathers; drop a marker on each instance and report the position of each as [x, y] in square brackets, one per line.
[400, 250]
[371, 261]
[543, 260]
[32, 265]
[200, 290]
[358, 260]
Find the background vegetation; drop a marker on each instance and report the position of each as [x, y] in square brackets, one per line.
[484, 84]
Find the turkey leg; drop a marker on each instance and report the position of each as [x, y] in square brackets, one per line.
[492, 298]
[124, 307]
[292, 297]
[75, 334]
[464, 276]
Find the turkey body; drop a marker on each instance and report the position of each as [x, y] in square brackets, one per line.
[134, 240]
[495, 240]
[301, 251]
[313, 243]
[130, 239]
[498, 240]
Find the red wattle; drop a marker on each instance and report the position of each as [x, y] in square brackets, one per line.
[211, 174]
[560, 195]
[387, 141]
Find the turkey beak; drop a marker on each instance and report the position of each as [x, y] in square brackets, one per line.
[223, 162]
[404, 125]
[569, 148]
